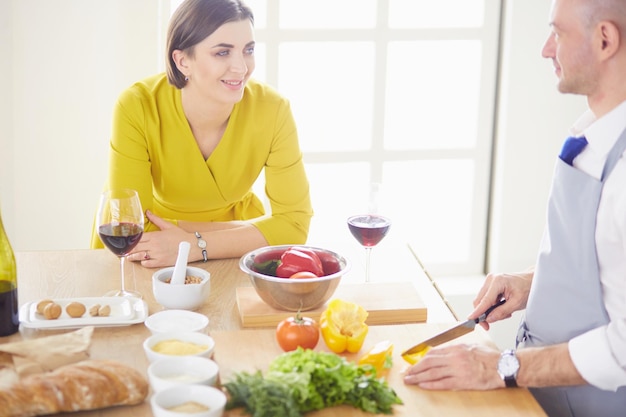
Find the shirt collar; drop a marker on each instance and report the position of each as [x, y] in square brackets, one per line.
[601, 133]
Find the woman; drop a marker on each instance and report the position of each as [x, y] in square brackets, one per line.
[193, 141]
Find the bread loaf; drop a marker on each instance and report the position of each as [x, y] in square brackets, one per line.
[85, 385]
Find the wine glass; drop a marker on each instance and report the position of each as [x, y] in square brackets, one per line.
[369, 230]
[120, 226]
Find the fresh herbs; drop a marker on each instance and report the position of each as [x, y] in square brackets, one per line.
[304, 380]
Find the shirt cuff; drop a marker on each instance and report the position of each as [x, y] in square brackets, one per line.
[594, 360]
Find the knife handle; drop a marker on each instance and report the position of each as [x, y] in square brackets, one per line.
[483, 317]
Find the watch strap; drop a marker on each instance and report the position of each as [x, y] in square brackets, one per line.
[510, 382]
[202, 246]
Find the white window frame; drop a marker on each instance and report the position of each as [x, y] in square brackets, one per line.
[270, 35]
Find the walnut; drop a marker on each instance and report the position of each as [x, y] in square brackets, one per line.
[104, 311]
[52, 311]
[93, 310]
[42, 304]
[75, 309]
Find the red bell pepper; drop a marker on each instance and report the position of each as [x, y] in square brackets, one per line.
[297, 260]
[330, 264]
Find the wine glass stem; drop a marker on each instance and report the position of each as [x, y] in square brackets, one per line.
[368, 254]
[122, 274]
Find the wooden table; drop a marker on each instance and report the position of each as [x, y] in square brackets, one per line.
[85, 273]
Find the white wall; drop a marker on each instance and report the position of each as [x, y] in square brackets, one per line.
[67, 60]
[533, 122]
[6, 118]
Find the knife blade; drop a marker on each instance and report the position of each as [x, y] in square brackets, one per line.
[452, 333]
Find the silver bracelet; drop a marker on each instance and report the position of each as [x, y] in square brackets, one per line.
[202, 245]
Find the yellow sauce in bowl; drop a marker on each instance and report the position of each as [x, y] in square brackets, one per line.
[178, 348]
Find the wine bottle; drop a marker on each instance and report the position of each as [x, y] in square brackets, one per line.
[9, 318]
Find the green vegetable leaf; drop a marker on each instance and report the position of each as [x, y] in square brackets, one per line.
[267, 267]
[260, 397]
[304, 380]
[388, 362]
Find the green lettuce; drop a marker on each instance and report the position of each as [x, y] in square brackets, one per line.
[304, 380]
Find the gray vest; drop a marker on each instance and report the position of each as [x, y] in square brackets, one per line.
[566, 295]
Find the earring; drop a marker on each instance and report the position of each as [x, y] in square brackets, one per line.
[186, 78]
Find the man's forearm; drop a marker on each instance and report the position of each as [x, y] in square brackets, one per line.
[547, 366]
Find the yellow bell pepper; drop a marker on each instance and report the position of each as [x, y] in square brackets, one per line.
[380, 357]
[414, 358]
[343, 326]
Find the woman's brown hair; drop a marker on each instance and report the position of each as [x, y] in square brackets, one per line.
[192, 22]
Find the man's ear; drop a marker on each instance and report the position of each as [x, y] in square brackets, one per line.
[609, 38]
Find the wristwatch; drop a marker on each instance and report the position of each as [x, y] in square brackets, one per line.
[508, 367]
[202, 246]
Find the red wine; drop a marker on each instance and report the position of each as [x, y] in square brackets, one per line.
[369, 229]
[120, 238]
[10, 322]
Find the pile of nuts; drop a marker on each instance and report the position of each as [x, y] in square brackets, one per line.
[189, 279]
[51, 310]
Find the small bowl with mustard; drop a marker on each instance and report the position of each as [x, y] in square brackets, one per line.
[167, 345]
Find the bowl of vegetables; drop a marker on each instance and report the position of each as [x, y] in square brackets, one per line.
[294, 277]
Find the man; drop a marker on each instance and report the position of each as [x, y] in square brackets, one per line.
[572, 342]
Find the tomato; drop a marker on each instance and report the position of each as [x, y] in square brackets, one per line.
[303, 274]
[297, 331]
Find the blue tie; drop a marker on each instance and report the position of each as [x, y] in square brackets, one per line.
[571, 148]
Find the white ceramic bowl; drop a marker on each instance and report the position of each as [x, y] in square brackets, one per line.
[294, 294]
[181, 340]
[211, 398]
[182, 370]
[168, 321]
[181, 296]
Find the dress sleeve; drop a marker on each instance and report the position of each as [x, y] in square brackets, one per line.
[286, 186]
[129, 161]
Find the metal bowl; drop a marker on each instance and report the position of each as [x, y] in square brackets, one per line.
[293, 294]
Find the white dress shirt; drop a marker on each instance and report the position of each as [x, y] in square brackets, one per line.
[600, 354]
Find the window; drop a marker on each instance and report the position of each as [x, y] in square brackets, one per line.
[394, 101]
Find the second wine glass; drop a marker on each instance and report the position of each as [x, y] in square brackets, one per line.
[369, 230]
[120, 227]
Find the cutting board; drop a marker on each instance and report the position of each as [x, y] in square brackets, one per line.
[250, 350]
[386, 303]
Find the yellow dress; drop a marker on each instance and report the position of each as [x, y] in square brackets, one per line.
[154, 152]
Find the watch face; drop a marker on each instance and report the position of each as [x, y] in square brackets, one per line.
[508, 364]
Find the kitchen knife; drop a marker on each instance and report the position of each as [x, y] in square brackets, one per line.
[452, 333]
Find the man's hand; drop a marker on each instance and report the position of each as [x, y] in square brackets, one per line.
[457, 367]
[513, 287]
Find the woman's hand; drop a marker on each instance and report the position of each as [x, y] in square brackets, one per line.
[457, 367]
[513, 287]
[160, 249]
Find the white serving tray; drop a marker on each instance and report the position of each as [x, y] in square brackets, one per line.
[124, 312]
